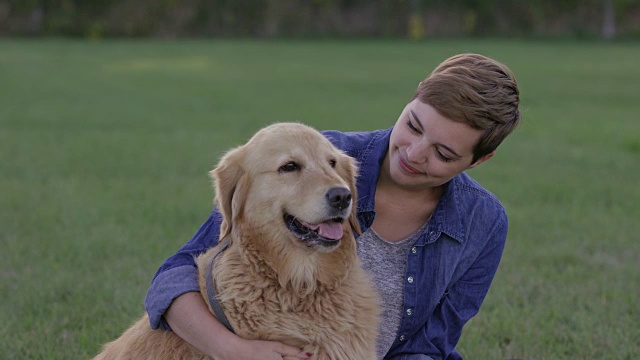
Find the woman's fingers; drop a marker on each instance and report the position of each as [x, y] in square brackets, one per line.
[262, 349]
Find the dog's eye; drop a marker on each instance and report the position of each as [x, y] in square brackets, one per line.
[289, 167]
[332, 163]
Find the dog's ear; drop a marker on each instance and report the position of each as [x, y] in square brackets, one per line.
[231, 185]
[348, 171]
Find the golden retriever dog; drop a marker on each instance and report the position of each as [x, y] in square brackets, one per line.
[289, 269]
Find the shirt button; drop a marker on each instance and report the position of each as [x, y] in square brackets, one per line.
[402, 338]
[410, 279]
[414, 250]
[409, 312]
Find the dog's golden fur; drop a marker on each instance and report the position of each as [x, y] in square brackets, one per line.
[273, 285]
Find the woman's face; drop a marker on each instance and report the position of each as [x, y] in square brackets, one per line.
[427, 149]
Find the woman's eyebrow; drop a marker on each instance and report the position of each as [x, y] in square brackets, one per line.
[417, 120]
[449, 149]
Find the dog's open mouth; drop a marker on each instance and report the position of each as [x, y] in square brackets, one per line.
[327, 233]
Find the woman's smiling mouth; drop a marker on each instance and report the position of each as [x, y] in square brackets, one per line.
[406, 167]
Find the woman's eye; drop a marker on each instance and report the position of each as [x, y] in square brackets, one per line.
[289, 167]
[332, 163]
[412, 128]
[443, 157]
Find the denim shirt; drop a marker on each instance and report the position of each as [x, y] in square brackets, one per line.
[449, 268]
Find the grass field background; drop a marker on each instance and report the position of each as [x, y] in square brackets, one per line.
[105, 148]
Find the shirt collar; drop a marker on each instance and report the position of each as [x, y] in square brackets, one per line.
[370, 162]
[447, 217]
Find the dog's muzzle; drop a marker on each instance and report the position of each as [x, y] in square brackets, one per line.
[327, 233]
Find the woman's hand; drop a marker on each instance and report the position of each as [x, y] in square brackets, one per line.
[262, 350]
[190, 319]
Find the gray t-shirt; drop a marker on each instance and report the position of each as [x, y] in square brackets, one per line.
[387, 263]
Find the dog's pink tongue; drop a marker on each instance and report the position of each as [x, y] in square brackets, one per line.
[331, 230]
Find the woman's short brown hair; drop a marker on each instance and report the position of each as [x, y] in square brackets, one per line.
[478, 91]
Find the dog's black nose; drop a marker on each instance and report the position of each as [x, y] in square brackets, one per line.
[339, 198]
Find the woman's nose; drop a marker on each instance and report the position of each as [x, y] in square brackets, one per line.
[416, 154]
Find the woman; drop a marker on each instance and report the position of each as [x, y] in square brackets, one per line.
[432, 237]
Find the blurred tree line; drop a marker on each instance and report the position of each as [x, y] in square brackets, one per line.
[321, 18]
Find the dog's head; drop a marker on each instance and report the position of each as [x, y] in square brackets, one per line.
[290, 195]
[288, 182]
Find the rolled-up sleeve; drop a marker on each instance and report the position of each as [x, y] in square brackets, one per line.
[179, 274]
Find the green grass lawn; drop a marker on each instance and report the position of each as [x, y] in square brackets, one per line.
[105, 148]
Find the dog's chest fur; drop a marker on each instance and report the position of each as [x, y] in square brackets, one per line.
[331, 321]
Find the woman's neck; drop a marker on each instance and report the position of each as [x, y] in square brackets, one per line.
[401, 211]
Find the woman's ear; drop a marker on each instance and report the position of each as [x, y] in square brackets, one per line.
[482, 159]
[230, 183]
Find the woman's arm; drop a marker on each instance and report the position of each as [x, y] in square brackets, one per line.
[178, 274]
[174, 302]
[190, 319]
